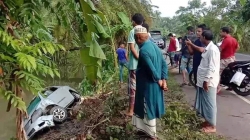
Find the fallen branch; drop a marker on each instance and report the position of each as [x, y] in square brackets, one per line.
[94, 126]
[92, 97]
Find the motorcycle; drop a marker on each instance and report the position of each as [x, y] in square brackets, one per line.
[227, 75]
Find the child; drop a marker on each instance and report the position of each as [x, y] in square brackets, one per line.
[122, 59]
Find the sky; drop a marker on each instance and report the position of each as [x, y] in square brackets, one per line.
[169, 7]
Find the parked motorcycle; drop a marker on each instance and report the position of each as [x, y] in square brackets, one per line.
[228, 73]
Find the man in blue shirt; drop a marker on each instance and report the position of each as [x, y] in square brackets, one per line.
[197, 55]
[187, 58]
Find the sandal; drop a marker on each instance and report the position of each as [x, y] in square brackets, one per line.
[229, 89]
[183, 84]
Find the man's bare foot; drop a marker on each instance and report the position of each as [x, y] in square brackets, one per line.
[209, 129]
[127, 113]
[218, 90]
[130, 114]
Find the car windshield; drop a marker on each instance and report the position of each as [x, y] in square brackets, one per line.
[156, 37]
[33, 104]
[48, 91]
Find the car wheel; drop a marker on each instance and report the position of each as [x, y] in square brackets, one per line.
[59, 114]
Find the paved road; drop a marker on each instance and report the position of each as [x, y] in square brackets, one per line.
[233, 119]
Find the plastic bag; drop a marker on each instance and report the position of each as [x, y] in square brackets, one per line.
[238, 78]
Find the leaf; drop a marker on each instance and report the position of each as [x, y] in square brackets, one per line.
[57, 73]
[243, 2]
[124, 18]
[90, 64]
[96, 50]
[101, 29]
[87, 6]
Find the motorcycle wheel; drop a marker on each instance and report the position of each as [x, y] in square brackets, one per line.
[191, 78]
[246, 83]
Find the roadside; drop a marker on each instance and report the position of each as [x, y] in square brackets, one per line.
[99, 118]
[233, 113]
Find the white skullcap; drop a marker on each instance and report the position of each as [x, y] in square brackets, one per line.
[140, 30]
[174, 34]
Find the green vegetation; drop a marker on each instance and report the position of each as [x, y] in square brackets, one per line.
[39, 38]
[77, 38]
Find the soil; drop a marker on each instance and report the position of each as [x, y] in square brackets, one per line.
[94, 118]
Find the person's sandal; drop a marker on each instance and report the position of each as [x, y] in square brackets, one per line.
[183, 84]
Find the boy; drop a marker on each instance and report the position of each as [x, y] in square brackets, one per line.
[122, 60]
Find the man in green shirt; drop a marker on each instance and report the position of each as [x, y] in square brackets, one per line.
[137, 21]
[151, 80]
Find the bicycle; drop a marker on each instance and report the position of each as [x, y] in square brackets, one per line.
[167, 58]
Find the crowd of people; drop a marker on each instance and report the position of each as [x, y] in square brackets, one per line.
[148, 72]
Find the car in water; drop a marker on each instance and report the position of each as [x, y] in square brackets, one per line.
[158, 38]
[48, 108]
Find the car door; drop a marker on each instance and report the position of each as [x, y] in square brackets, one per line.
[62, 97]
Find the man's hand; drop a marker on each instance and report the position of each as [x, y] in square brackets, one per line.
[164, 85]
[160, 82]
[188, 42]
[205, 86]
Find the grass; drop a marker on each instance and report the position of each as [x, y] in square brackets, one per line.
[180, 121]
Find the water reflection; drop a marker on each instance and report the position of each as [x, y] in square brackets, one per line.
[7, 119]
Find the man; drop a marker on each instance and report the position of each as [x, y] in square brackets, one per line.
[122, 59]
[172, 48]
[208, 77]
[196, 54]
[186, 59]
[137, 21]
[151, 76]
[178, 48]
[228, 48]
[177, 53]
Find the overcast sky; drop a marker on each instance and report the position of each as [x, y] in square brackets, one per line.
[169, 7]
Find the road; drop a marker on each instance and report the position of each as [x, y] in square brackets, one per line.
[233, 117]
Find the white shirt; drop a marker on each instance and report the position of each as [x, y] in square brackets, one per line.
[177, 45]
[209, 68]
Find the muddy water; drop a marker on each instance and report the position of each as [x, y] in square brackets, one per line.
[7, 119]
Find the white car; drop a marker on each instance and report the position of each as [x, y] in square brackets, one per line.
[48, 108]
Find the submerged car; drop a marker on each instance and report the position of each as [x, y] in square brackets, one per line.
[48, 108]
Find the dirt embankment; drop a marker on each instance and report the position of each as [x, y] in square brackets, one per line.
[95, 118]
